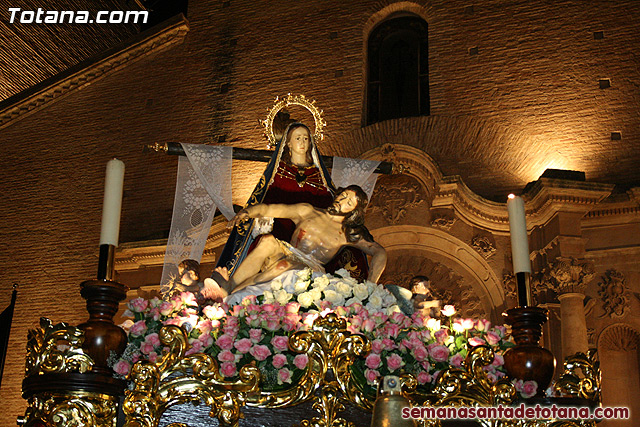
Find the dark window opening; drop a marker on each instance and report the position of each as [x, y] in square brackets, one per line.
[398, 70]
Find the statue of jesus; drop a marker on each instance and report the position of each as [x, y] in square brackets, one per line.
[318, 236]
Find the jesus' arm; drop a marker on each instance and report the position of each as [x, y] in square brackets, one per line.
[294, 212]
[378, 258]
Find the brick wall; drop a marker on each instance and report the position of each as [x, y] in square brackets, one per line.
[529, 99]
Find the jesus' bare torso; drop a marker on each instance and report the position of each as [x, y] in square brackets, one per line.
[318, 237]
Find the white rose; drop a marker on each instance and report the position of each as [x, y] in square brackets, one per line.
[305, 299]
[304, 274]
[388, 299]
[360, 291]
[333, 297]
[375, 302]
[282, 296]
[371, 287]
[300, 286]
[276, 285]
[316, 294]
[344, 289]
[393, 309]
[342, 273]
[321, 282]
[268, 297]
[433, 324]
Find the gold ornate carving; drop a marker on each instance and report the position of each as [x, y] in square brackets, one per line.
[570, 275]
[285, 101]
[180, 379]
[483, 245]
[397, 194]
[614, 294]
[73, 410]
[581, 377]
[55, 348]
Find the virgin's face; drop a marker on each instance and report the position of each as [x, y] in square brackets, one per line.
[299, 141]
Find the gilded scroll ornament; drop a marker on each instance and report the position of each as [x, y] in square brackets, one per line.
[55, 348]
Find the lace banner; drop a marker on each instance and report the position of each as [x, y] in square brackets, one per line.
[347, 171]
[203, 183]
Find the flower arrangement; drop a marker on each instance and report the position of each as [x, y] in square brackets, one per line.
[258, 330]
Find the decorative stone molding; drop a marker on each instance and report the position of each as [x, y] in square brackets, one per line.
[618, 337]
[87, 72]
[444, 221]
[150, 253]
[394, 195]
[614, 294]
[570, 275]
[483, 245]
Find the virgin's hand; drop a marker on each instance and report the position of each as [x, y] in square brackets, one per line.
[240, 216]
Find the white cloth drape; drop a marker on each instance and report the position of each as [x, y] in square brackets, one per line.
[347, 171]
[203, 183]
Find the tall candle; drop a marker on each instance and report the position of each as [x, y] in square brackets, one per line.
[112, 203]
[519, 239]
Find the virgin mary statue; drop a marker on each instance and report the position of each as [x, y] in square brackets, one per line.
[295, 174]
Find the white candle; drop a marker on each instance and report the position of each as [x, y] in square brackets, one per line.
[519, 239]
[112, 203]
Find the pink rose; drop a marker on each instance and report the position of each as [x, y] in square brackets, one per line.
[279, 360]
[492, 338]
[206, 340]
[388, 344]
[255, 335]
[376, 346]
[292, 307]
[260, 352]
[138, 329]
[138, 305]
[483, 325]
[226, 356]
[440, 353]
[368, 325]
[529, 389]
[225, 342]
[153, 339]
[456, 360]
[280, 342]
[243, 345]
[165, 308]
[392, 329]
[371, 375]
[284, 376]
[498, 360]
[476, 341]
[373, 361]
[420, 353]
[122, 367]
[394, 362]
[423, 377]
[228, 369]
[272, 324]
[301, 361]
[146, 348]
[153, 356]
[441, 335]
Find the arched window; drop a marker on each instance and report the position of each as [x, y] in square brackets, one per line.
[398, 69]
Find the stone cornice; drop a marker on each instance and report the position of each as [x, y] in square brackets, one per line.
[544, 199]
[614, 212]
[549, 196]
[93, 69]
[150, 253]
